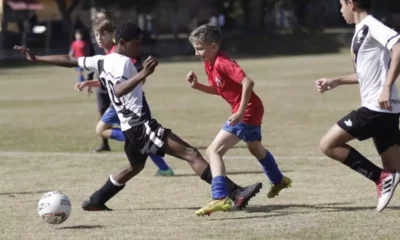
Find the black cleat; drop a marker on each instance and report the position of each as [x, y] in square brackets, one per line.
[102, 148]
[88, 205]
[242, 196]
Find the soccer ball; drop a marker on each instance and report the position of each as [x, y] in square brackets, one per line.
[54, 207]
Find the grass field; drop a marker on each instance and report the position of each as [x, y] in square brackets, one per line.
[47, 134]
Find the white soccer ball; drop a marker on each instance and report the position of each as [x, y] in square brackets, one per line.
[54, 207]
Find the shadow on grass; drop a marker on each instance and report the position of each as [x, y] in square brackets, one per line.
[82, 227]
[228, 173]
[325, 207]
[12, 194]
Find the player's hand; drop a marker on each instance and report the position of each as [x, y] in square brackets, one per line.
[191, 78]
[235, 119]
[79, 86]
[150, 65]
[384, 99]
[325, 84]
[26, 52]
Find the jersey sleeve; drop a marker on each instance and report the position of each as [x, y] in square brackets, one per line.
[90, 63]
[123, 74]
[386, 36]
[231, 70]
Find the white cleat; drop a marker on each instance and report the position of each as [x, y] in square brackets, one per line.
[385, 186]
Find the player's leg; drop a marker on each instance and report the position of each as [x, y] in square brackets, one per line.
[334, 145]
[220, 201]
[386, 142]
[163, 169]
[105, 128]
[117, 181]
[175, 146]
[81, 78]
[103, 102]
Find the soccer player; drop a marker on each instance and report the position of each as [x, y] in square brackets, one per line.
[79, 48]
[376, 57]
[227, 79]
[103, 101]
[144, 136]
[103, 31]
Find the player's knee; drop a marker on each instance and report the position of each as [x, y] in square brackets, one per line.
[212, 150]
[325, 146]
[192, 154]
[99, 129]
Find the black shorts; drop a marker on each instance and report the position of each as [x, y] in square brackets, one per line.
[103, 100]
[144, 140]
[382, 127]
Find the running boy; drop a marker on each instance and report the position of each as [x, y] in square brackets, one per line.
[227, 79]
[103, 31]
[376, 57]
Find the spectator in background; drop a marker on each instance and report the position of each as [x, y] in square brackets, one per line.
[78, 49]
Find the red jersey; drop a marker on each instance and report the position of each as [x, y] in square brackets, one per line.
[113, 50]
[225, 75]
[79, 48]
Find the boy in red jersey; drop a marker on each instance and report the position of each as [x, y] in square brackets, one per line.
[227, 79]
[79, 49]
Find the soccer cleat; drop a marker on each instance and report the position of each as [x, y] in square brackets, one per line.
[385, 186]
[215, 205]
[165, 173]
[102, 148]
[276, 188]
[88, 205]
[242, 196]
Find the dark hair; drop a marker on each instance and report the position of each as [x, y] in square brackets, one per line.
[207, 34]
[128, 31]
[101, 25]
[105, 12]
[362, 4]
[80, 31]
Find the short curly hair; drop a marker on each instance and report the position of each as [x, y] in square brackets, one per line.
[128, 31]
[207, 34]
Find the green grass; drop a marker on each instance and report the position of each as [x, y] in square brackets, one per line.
[42, 120]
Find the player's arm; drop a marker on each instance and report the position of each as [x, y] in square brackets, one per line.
[124, 87]
[192, 80]
[389, 39]
[247, 89]
[326, 84]
[393, 74]
[59, 60]
[346, 80]
[91, 83]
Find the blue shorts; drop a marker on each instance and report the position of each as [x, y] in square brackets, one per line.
[78, 69]
[244, 131]
[110, 117]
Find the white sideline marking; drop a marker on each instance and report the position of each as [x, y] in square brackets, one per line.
[122, 155]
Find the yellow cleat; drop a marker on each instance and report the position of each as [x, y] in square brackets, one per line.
[275, 189]
[215, 206]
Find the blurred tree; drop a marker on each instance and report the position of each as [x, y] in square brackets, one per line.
[66, 12]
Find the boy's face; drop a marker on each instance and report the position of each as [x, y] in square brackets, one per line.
[132, 48]
[347, 11]
[78, 36]
[207, 52]
[103, 39]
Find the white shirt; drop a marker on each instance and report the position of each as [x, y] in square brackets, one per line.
[371, 50]
[132, 108]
